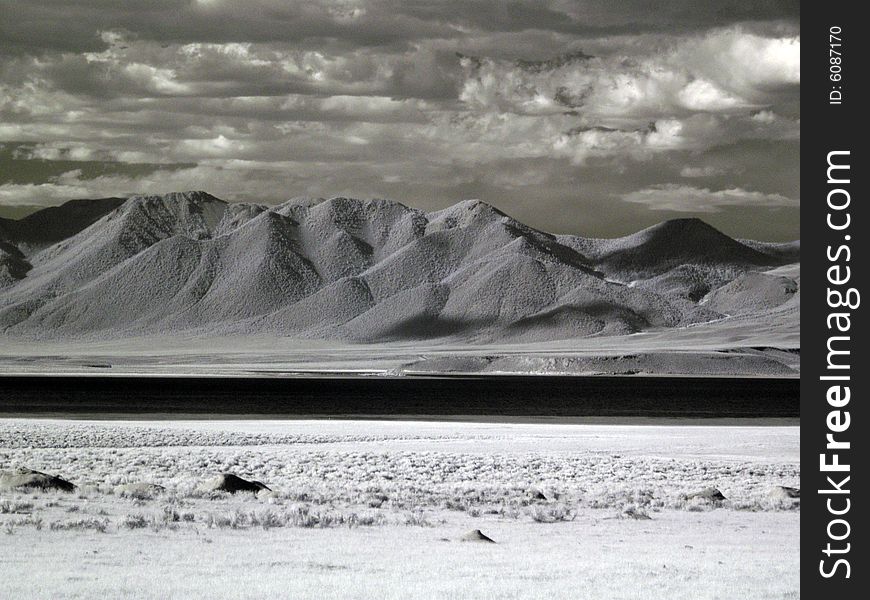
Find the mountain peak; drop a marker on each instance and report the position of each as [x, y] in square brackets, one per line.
[684, 225]
[194, 197]
[475, 204]
[672, 243]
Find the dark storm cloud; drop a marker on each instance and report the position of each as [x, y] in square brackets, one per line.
[570, 115]
[58, 25]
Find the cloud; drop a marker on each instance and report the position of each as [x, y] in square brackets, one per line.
[42, 194]
[368, 24]
[731, 70]
[706, 171]
[683, 198]
[702, 95]
[426, 102]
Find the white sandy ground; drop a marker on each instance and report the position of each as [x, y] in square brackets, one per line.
[370, 509]
[747, 341]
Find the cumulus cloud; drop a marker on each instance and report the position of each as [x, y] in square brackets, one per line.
[688, 199]
[697, 92]
[729, 70]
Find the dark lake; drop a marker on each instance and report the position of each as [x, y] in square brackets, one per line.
[485, 396]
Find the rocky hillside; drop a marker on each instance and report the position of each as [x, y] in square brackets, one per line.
[366, 270]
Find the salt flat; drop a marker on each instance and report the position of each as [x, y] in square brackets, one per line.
[695, 556]
[363, 509]
[737, 347]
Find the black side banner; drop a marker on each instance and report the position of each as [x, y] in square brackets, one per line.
[834, 223]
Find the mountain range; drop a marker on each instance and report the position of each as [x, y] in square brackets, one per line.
[369, 271]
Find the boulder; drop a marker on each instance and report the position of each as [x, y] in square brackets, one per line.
[782, 492]
[635, 513]
[710, 494]
[24, 478]
[476, 535]
[228, 482]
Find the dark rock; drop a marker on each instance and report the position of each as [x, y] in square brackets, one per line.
[784, 492]
[228, 482]
[28, 478]
[476, 535]
[709, 494]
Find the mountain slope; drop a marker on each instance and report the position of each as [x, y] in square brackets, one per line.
[371, 271]
[670, 244]
[51, 225]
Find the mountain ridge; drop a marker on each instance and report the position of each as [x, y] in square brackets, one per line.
[367, 271]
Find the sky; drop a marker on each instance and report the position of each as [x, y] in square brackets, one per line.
[587, 117]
